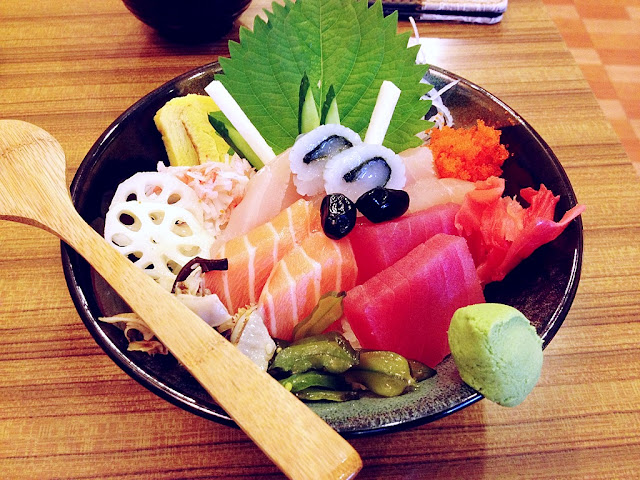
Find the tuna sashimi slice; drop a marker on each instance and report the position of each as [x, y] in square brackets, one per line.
[317, 266]
[407, 307]
[252, 256]
[376, 246]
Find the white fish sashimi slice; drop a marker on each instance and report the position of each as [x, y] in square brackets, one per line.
[457, 188]
[269, 191]
[418, 163]
[430, 191]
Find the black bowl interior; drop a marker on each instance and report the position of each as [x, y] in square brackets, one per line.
[542, 287]
[188, 21]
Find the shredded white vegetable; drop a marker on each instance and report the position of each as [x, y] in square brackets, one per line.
[443, 116]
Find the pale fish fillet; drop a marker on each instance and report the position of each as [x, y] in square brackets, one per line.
[268, 192]
[430, 191]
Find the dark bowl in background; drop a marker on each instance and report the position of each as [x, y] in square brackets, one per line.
[188, 20]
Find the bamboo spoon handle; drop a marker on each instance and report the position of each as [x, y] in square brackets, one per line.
[299, 442]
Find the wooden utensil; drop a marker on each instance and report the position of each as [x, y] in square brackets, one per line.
[33, 191]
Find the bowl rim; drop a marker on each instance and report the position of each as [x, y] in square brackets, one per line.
[177, 398]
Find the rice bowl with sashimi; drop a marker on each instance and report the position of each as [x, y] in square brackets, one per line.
[269, 279]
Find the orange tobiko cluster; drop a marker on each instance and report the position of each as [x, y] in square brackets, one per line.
[468, 153]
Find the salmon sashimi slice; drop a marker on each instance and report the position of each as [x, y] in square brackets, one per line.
[252, 256]
[317, 266]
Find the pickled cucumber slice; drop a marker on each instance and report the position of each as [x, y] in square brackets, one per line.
[384, 373]
[329, 352]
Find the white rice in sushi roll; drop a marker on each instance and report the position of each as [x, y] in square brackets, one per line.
[311, 152]
[359, 169]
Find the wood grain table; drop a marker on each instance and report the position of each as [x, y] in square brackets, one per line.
[67, 411]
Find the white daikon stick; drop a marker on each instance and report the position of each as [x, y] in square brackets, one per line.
[240, 121]
[382, 113]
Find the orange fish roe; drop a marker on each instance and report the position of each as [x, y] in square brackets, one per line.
[468, 154]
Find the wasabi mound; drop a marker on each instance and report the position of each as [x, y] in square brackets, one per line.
[497, 351]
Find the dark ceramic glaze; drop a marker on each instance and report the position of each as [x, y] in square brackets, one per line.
[188, 20]
[542, 287]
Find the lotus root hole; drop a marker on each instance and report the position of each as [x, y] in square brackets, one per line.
[129, 220]
[181, 229]
[173, 267]
[189, 250]
[156, 217]
[134, 256]
[121, 240]
[174, 198]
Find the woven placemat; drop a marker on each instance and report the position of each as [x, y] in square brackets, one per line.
[471, 11]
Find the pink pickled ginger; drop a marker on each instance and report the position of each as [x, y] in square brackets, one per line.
[501, 232]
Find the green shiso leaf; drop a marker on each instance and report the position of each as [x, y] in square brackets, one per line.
[336, 42]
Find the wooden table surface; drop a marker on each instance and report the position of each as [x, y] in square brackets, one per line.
[67, 411]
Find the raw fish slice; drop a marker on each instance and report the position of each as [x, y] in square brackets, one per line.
[439, 276]
[418, 163]
[269, 191]
[402, 296]
[377, 246]
[424, 187]
[382, 305]
[428, 342]
[252, 256]
[430, 191]
[317, 266]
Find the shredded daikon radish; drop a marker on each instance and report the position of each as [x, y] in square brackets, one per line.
[443, 116]
[421, 57]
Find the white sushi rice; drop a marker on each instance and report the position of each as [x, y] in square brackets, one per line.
[369, 177]
[308, 177]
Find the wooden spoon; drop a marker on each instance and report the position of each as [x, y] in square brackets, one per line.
[33, 191]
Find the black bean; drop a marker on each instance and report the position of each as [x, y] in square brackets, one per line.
[338, 215]
[382, 204]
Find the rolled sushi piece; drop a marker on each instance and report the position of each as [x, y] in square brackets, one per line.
[362, 168]
[311, 151]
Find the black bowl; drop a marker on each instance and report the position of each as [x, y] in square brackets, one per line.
[542, 287]
[188, 20]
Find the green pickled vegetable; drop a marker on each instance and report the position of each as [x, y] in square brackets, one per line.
[227, 131]
[329, 352]
[301, 381]
[308, 117]
[329, 114]
[327, 311]
[316, 395]
[384, 373]
[420, 371]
